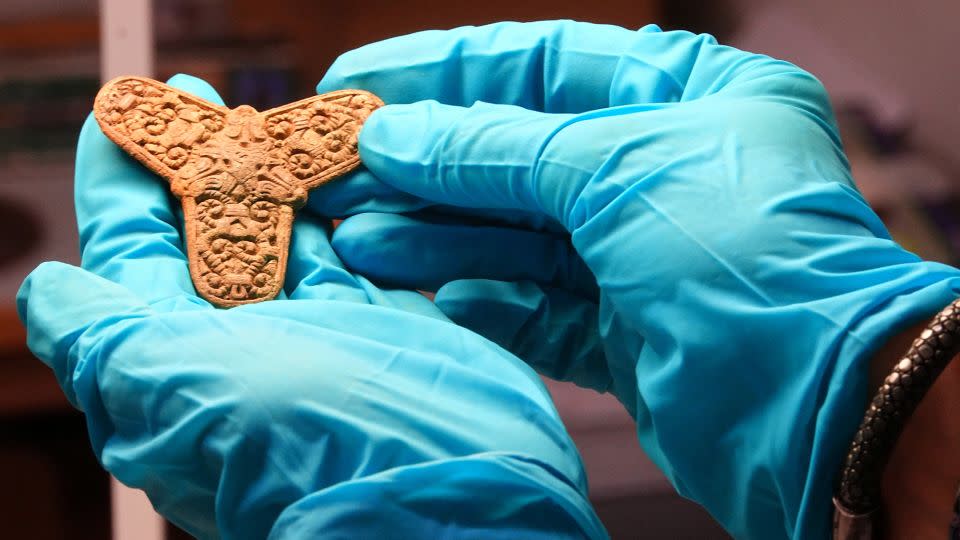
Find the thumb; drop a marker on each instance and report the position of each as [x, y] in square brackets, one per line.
[483, 156]
[63, 309]
[549, 328]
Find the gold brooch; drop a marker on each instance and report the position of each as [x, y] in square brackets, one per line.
[240, 174]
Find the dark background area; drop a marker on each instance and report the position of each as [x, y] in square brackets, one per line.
[888, 65]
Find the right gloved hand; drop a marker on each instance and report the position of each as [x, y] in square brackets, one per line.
[715, 268]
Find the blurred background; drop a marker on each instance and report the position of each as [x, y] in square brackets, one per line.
[889, 65]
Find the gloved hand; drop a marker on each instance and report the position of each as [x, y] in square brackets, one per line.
[344, 411]
[703, 191]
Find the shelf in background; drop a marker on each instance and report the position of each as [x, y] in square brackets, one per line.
[50, 33]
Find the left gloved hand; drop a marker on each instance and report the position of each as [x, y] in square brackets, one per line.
[343, 410]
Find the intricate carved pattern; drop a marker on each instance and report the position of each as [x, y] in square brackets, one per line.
[857, 497]
[239, 173]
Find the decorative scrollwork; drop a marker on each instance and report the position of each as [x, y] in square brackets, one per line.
[239, 173]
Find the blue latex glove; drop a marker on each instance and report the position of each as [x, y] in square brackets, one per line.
[743, 281]
[345, 411]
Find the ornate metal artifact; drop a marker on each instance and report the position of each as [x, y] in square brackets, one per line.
[240, 174]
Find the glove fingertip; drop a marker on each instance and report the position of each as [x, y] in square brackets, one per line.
[339, 75]
[403, 145]
[494, 309]
[391, 121]
[58, 302]
[550, 329]
[35, 288]
[351, 238]
[195, 86]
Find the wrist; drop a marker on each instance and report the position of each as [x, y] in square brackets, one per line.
[918, 479]
[921, 476]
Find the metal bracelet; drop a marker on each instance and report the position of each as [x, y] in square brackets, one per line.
[857, 498]
[955, 522]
